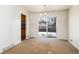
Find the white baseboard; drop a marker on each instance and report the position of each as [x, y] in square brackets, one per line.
[74, 44]
[6, 48]
[18, 42]
[27, 37]
[1, 51]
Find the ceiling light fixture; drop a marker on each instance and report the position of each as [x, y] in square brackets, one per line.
[44, 11]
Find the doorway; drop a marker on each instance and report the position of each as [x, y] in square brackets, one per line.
[23, 27]
[47, 26]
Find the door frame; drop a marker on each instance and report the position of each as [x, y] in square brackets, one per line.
[47, 28]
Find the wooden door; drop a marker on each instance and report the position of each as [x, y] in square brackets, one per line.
[23, 27]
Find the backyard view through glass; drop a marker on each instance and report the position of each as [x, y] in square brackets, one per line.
[47, 26]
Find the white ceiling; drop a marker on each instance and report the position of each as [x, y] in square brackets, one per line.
[41, 8]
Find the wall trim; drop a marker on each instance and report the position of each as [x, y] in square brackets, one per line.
[1, 51]
[73, 44]
[17, 42]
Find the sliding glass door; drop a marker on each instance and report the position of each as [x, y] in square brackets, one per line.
[47, 26]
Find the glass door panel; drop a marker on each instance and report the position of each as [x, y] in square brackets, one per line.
[47, 26]
[51, 27]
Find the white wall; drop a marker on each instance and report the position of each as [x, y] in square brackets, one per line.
[8, 14]
[10, 25]
[74, 26]
[62, 23]
[16, 24]
[33, 24]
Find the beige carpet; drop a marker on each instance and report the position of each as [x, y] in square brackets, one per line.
[36, 46]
